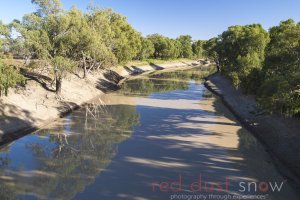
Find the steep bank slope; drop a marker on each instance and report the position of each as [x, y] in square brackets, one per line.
[25, 110]
[281, 136]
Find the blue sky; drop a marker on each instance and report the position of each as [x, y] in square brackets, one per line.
[202, 19]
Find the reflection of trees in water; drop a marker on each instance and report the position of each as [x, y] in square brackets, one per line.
[165, 81]
[196, 74]
[78, 150]
[6, 192]
[148, 86]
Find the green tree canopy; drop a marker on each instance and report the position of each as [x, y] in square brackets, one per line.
[186, 50]
[242, 51]
[197, 47]
[9, 77]
[147, 49]
[280, 90]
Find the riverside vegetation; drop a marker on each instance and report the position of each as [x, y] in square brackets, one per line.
[54, 42]
[265, 64]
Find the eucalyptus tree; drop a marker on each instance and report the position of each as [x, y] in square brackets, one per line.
[46, 34]
[243, 51]
[197, 48]
[117, 35]
[126, 41]
[84, 44]
[212, 50]
[9, 77]
[186, 46]
[283, 51]
[280, 90]
[165, 48]
[4, 34]
[147, 49]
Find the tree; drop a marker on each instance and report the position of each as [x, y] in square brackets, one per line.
[165, 48]
[147, 49]
[9, 77]
[84, 44]
[47, 37]
[4, 34]
[186, 46]
[35, 41]
[242, 50]
[212, 49]
[280, 90]
[47, 7]
[159, 43]
[116, 33]
[197, 47]
[283, 51]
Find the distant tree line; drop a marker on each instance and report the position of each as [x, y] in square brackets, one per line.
[260, 62]
[70, 39]
[266, 64]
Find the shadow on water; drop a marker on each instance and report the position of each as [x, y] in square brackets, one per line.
[168, 144]
[60, 161]
[10, 115]
[124, 149]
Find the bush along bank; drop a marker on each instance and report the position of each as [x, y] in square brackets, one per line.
[279, 134]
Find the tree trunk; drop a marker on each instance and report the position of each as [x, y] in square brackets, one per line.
[84, 68]
[58, 85]
[218, 65]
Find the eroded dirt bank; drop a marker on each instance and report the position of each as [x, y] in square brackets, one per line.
[280, 135]
[25, 110]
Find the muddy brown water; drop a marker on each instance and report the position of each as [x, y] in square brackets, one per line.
[162, 136]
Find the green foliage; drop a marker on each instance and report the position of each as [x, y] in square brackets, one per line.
[198, 50]
[241, 50]
[186, 50]
[62, 65]
[9, 77]
[280, 90]
[147, 49]
[126, 40]
[283, 52]
[64, 39]
[117, 35]
[165, 48]
[4, 34]
[211, 49]
[261, 63]
[48, 7]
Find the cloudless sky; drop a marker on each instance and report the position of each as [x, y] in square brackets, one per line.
[202, 19]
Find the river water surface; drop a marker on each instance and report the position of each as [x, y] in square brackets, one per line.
[162, 136]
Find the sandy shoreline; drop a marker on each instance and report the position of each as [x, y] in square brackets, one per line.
[279, 135]
[26, 110]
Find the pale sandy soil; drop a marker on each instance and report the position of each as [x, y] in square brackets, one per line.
[280, 135]
[24, 110]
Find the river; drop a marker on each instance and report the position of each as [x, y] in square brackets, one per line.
[161, 136]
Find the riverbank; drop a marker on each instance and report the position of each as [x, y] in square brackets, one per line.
[27, 109]
[279, 135]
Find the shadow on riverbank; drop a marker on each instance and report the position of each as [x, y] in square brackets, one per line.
[278, 134]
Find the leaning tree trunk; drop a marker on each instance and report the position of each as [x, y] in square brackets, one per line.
[84, 68]
[58, 85]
